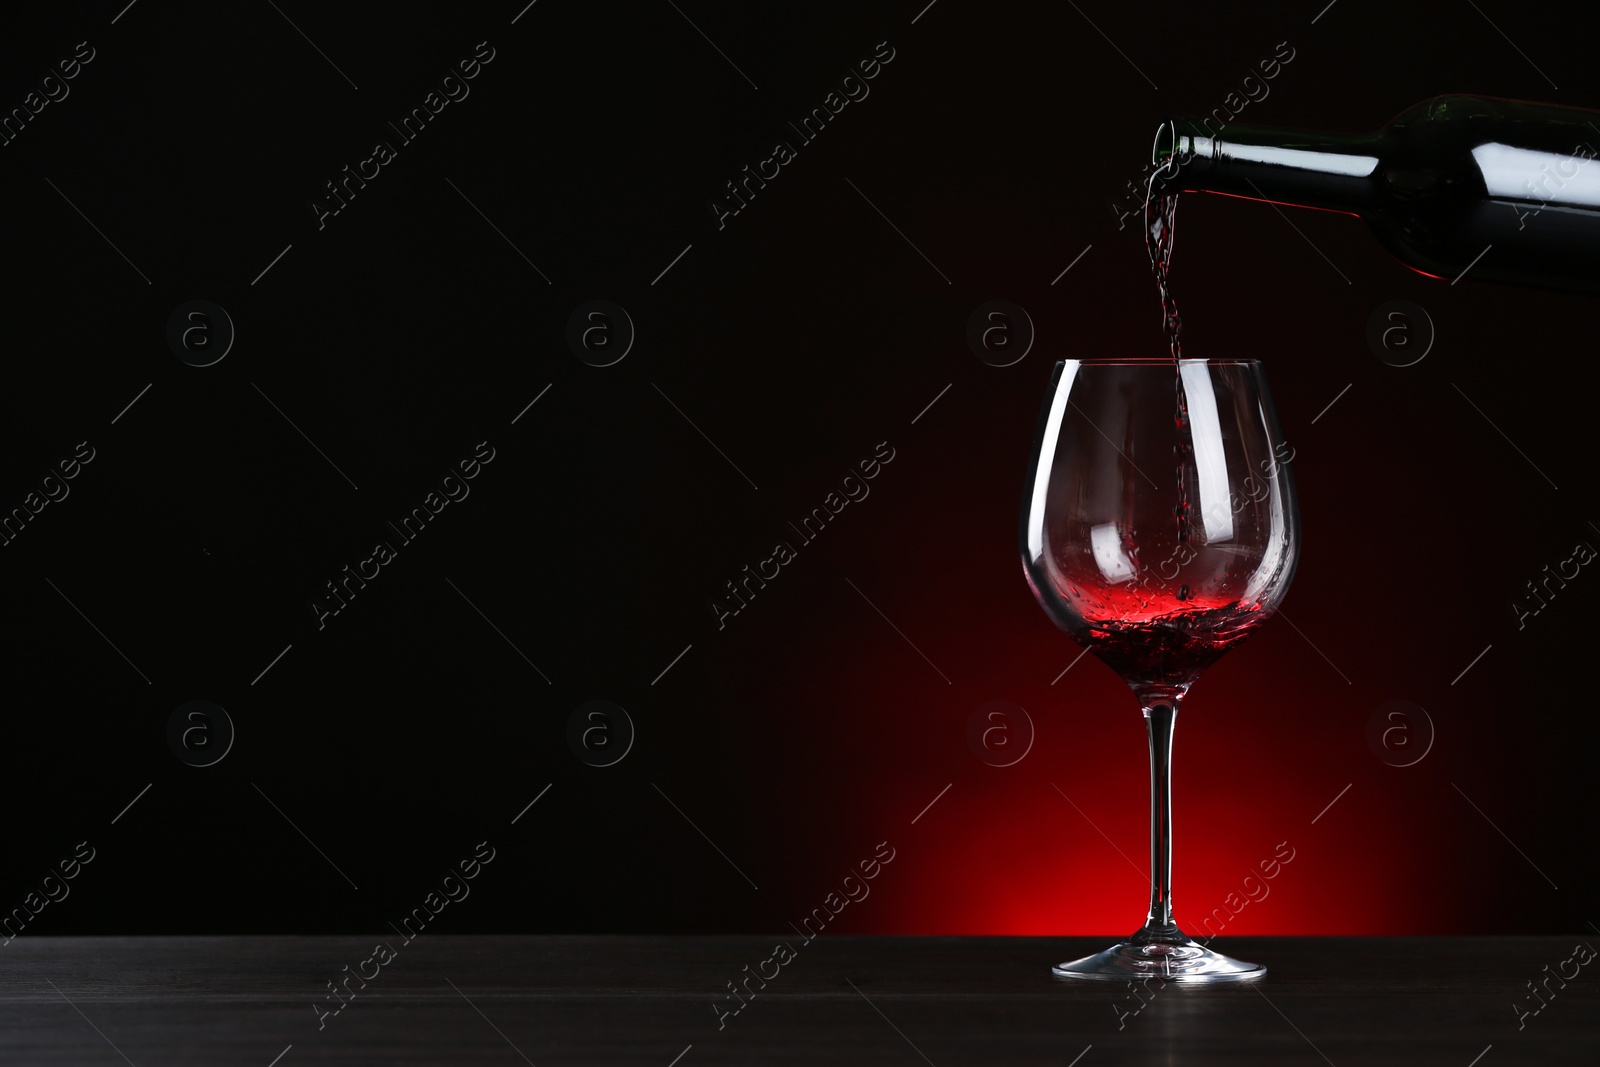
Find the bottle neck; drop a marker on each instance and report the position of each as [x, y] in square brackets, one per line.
[1329, 171]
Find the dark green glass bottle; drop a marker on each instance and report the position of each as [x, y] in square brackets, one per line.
[1496, 190]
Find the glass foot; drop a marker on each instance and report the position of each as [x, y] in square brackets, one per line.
[1168, 961]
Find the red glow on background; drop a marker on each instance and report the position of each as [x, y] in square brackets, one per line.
[1058, 843]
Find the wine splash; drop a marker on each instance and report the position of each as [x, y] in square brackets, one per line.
[1160, 219]
[1173, 649]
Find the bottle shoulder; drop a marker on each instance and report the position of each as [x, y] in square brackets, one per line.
[1479, 145]
[1446, 108]
[1461, 119]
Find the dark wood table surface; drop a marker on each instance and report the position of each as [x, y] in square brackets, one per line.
[648, 1001]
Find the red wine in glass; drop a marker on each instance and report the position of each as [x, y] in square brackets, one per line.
[1157, 600]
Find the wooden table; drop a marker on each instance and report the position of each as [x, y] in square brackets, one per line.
[883, 1001]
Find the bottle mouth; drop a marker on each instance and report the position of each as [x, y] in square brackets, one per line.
[1177, 142]
[1173, 147]
[1164, 149]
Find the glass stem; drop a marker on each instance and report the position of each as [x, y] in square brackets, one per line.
[1160, 717]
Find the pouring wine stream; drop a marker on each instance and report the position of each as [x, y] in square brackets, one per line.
[1160, 948]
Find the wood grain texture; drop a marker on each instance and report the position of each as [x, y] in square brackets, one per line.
[882, 1001]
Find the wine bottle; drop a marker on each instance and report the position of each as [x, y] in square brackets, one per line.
[1495, 190]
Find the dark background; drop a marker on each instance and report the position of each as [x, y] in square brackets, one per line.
[797, 338]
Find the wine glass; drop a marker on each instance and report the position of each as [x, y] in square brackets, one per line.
[1159, 530]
